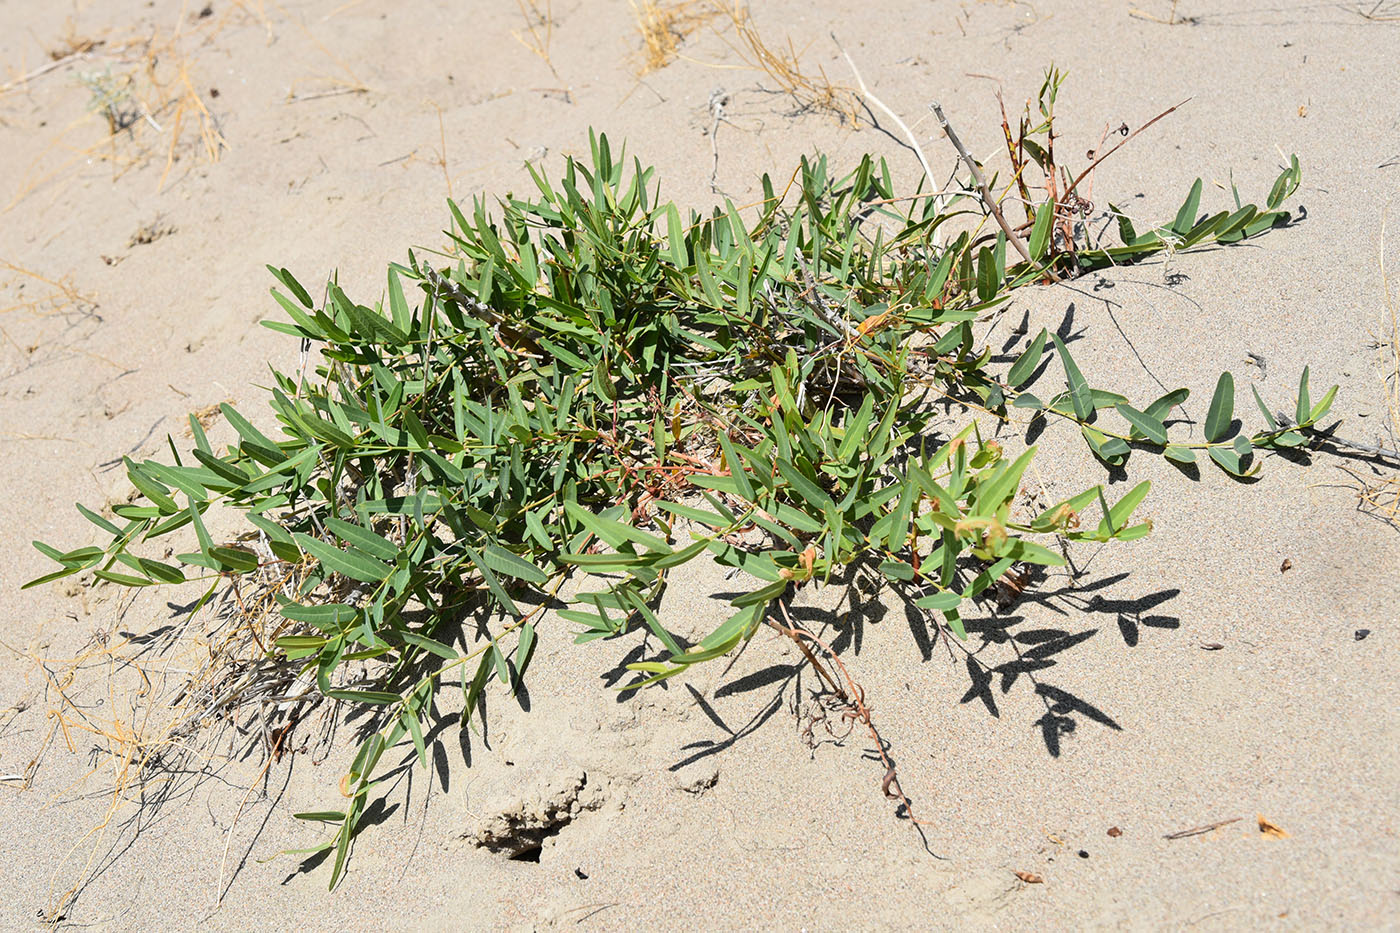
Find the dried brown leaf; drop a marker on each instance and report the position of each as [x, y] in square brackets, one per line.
[1271, 830]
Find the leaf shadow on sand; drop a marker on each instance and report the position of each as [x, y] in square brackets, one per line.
[1010, 645]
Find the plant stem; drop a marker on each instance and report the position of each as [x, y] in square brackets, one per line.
[981, 182]
[1374, 450]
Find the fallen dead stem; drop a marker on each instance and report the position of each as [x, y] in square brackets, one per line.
[812, 93]
[1201, 830]
[992, 206]
[851, 696]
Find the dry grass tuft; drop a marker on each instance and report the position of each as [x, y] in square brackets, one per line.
[58, 295]
[665, 26]
[206, 416]
[1389, 343]
[150, 106]
[538, 34]
[813, 93]
[182, 703]
[1379, 11]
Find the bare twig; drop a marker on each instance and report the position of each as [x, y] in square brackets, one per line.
[1374, 450]
[853, 697]
[718, 101]
[319, 95]
[43, 70]
[819, 305]
[1123, 142]
[1199, 830]
[981, 183]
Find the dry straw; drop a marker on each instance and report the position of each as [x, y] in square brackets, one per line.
[151, 108]
[663, 28]
[812, 92]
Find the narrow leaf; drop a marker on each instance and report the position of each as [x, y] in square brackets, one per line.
[1079, 393]
[1026, 363]
[1222, 408]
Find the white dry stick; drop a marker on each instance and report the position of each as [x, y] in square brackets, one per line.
[718, 101]
[981, 182]
[913, 140]
[43, 70]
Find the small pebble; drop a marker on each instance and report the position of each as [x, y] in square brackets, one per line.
[1361, 633]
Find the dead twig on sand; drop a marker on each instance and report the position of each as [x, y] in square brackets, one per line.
[783, 66]
[1323, 437]
[718, 101]
[43, 70]
[1201, 830]
[909, 134]
[1098, 160]
[664, 26]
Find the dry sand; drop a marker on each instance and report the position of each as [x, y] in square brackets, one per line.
[710, 814]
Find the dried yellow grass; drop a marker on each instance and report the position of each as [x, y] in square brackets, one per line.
[1382, 497]
[664, 27]
[812, 92]
[146, 102]
[170, 698]
[538, 34]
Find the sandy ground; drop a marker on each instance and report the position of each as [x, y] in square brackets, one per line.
[701, 805]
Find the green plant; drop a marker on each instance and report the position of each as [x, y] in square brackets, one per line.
[594, 383]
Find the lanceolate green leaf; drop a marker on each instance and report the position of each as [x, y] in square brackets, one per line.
[1186, 217]
[1080, 396]
[1160, 408]
[614, 532]
[1144, 424]
[1040, 230]
[1222, 409]
[510, 564]
[363, 538]
[351, 562]
[1027, 362]
[1264, 409]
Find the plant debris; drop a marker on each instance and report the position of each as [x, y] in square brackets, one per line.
[1201, 830]
[149, 233]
